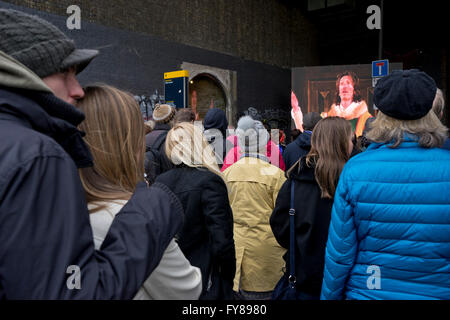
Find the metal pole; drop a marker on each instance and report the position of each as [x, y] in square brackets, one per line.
[380, 38]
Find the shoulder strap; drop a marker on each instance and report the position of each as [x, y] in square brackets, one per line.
[292, 278]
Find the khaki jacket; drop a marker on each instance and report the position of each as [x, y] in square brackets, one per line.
[253, 186]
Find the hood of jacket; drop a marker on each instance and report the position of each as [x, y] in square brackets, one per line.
[24, 96]
[13, 74]
[301, 172]
[304, 140]
[215, 118]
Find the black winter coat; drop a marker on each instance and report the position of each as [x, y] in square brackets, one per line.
[45, 233]
[297, 149]
[206, 238]
[160, 128]
[312, 219]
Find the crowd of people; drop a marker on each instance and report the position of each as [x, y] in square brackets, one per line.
[97, 204]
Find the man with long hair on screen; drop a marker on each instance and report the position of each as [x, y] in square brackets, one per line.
[348, 103]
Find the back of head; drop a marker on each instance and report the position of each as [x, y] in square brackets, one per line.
[215, 118]
[295, 133]
[405, 94]
[185, 144]
[116, 136]
[330, 150]
[310, 120]
[39, 45]
[184, 115]
[164, 113]
[405, 99]
[252, 135]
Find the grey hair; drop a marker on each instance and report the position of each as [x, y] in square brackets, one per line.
[429, 130]
[439, 103]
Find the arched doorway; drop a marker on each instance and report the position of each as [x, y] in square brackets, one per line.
[206, 92]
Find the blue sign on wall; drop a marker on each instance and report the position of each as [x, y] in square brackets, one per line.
[176, 88]
[380, 68]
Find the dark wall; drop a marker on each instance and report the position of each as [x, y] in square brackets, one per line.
[266, 31]
[136, 62]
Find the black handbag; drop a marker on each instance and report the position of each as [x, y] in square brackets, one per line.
[286, 287]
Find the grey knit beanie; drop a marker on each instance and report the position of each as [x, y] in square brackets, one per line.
[39, 45]
[252, 136]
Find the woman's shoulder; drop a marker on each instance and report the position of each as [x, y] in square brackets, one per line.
[209, 177]
[198, 174]
[110, 207]
[302, 169]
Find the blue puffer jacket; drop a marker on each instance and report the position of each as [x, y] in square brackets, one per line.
[389, 236]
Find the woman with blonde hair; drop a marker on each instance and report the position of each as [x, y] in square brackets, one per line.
[206, 238]
[389, 235]
[315, 178]
[116, 136]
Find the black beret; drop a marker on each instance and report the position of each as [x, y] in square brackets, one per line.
[405, 94]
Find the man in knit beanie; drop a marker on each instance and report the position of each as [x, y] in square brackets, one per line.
[45, 50]
[46, 245]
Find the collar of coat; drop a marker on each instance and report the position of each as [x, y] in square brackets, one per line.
[301, 171]
[255, 155]
[304, 140]
[409, 140]
[354, 110]
[49, 115]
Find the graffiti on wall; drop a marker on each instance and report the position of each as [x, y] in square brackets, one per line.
[274, 117]
[147, 103]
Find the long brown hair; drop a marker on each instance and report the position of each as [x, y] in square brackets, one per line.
[329, 152]
[115, 134]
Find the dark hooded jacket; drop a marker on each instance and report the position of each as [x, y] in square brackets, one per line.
[206, 238]
[156, 161]
[297, 149]
[312, 219]
[215, 118]
[46, 243]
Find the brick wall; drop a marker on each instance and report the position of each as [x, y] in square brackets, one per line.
[265, 31]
